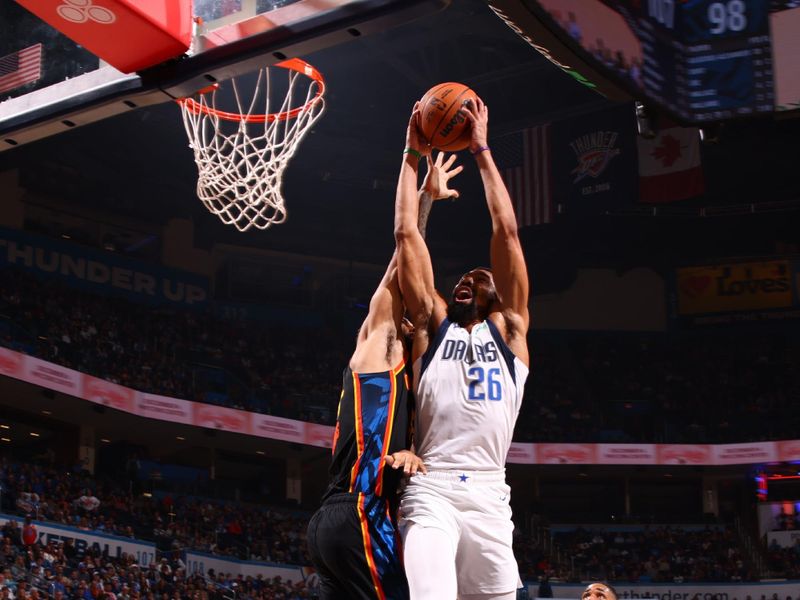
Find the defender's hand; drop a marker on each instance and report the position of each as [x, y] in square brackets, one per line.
[406, 460]
[439, 174]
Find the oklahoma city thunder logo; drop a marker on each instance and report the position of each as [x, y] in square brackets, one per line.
[594, 152]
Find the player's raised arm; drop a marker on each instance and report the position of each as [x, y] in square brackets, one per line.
[415, 271]
[508, 261]
[386, 306]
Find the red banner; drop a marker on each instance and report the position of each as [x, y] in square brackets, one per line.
[319, 435]
[684, 454]
[53, 377]
[626, 454]
[788, 450]
[11, 363]
[278, 428]
[524, 454]
[165, 408]
[174, 410]
[108, 394]
[745, 454]
[219, 417]
[566, 454]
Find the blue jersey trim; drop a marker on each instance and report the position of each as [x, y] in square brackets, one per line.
[508, 355]
[437, 341]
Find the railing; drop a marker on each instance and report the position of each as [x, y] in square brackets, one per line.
[702, 211]
[542, 537]
[752, 548]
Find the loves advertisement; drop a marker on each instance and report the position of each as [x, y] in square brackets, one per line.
[731, 293]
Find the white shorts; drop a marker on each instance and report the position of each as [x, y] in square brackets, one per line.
[473, 509]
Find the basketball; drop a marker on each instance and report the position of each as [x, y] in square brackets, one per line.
[442, 121]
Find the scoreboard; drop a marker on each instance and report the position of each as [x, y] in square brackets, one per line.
[699, 60]
[705, 60]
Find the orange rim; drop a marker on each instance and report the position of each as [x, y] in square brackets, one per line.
[294, 64]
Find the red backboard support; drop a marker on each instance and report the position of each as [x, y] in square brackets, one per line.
[130, 35]
[77, 85]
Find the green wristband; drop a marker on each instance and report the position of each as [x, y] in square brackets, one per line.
[412, 152]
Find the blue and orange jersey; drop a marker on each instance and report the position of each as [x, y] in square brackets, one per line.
[374, 419]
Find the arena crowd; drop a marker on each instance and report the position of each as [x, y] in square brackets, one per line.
[667, 388]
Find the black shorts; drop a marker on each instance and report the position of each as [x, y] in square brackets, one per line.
[355, 549]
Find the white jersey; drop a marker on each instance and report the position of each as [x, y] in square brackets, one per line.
[468, 388]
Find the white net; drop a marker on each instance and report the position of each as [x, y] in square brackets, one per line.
[241, 156]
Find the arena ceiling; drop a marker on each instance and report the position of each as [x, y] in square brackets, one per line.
[340, 186]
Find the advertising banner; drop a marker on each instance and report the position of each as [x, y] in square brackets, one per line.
[108, 394]
[745, 454]
[684, 454]
[199, 562]
[626, 454]
[319, 435]
[734, 287]
[186, 412]
[164, 408]
[144, 552]
[11, 364]
[219, 417]
[788, 450]
[566, 454]
[522, 454]
[101, 272]
[53, 377]
[278, 428]
[683, 591]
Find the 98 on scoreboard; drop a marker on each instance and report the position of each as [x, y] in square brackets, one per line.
[708, 59]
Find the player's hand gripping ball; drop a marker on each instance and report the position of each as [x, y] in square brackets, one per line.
[442, 120]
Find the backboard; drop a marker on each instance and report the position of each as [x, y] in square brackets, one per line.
[50, 84]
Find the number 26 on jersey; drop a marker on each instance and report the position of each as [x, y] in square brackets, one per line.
[485, 384]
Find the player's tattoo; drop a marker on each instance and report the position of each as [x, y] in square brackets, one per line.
[425, 203]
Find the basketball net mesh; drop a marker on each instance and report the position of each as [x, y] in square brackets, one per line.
[241, 157]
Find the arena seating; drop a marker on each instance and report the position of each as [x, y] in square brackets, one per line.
[593, 387]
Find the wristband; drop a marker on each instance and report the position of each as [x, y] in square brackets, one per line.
[479, 150]
[412, 152]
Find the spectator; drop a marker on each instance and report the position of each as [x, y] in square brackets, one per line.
[29, 534]
[667, 388]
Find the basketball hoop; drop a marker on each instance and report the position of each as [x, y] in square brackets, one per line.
[241, 156]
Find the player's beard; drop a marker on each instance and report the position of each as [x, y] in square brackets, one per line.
[458, 312]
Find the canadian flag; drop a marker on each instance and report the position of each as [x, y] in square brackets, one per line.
[669, 165]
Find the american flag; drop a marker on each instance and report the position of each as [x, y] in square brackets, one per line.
[523, 159]
[20, 67]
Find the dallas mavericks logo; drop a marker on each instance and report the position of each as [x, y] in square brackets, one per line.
[594, 152]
